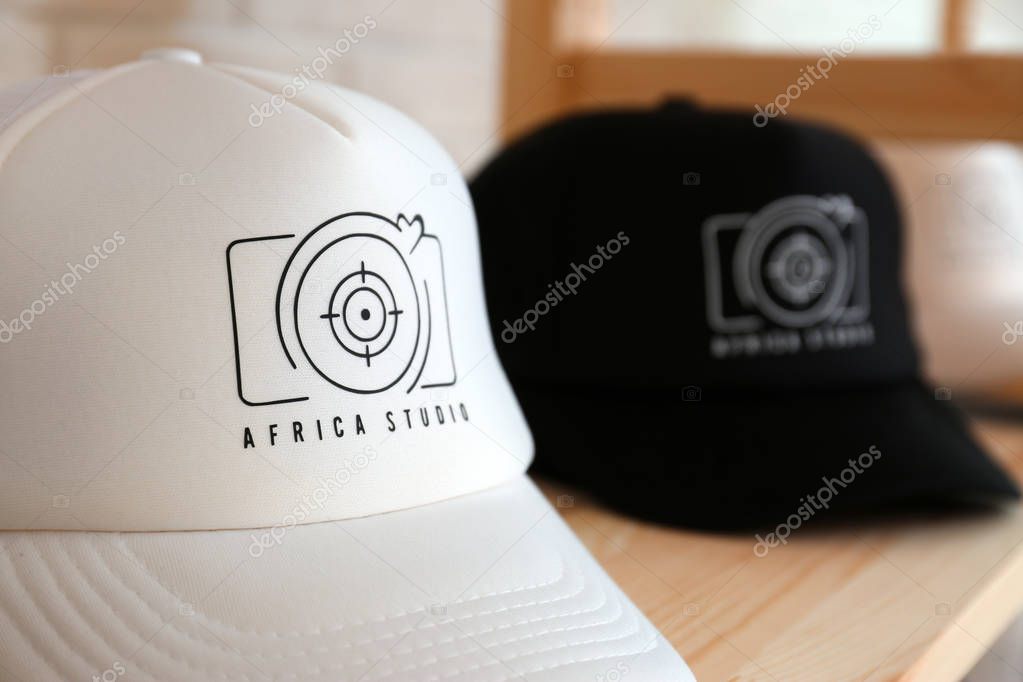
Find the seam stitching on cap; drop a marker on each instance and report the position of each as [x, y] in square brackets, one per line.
[320, 631]
[59, 101]
[290, 102]
[522, 655]
[40, 658]
[72, 603]
[167, 652]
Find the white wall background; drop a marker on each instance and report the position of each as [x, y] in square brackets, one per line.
[436, 61]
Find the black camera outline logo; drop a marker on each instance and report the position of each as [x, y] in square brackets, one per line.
[799, 261]
[381, 317]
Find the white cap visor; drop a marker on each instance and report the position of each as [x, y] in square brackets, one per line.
[490, 586]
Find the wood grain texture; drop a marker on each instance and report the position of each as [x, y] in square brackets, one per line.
[949, 96]
[955, 28]
[532, 90]
[918, 599]
[952, 95]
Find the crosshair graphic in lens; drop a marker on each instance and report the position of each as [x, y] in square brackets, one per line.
[357, 313]
[363, 314]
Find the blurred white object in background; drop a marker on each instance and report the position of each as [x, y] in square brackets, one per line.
[963, 204]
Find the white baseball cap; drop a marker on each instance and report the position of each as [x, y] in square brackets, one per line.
[253, 424]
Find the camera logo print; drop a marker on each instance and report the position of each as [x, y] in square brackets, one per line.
[798, 263]
[361, 302]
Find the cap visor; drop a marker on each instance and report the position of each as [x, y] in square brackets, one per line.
[491, 586]
[752, 461]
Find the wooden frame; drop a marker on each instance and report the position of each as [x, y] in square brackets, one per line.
[555, 63]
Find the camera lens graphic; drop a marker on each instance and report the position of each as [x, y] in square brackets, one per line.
[363, 314]
[798, 268]
[357, 313]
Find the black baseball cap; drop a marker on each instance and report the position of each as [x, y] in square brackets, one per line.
[703, 318]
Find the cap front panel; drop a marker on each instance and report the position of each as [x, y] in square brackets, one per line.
[217, 320]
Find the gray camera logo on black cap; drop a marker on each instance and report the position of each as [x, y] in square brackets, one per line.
[798, 262]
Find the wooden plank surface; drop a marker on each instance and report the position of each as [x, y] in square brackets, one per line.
[950, 96]
[916, 599]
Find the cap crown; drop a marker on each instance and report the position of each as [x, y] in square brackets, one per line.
[676, 247]
[231, 297]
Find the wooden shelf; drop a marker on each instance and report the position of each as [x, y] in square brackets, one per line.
[918, 599]
[939, 96]
[557, 60]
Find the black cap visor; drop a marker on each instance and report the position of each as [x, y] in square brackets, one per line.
[752, 460]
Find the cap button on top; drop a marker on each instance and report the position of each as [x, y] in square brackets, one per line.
[173, 54]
